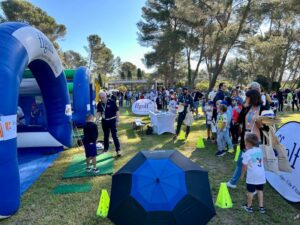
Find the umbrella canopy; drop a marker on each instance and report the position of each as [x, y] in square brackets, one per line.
[162, 188]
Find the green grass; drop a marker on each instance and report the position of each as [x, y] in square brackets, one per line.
[41, 207]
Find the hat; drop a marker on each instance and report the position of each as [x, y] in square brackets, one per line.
[268, 113]
[210, 102]
[224, 102]
[268, 117]
[254, 85]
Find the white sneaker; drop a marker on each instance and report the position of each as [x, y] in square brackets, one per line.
[119, 153]
[233, 186]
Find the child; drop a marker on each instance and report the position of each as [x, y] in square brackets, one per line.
[90, 135]
[208, 112]
[172, 104]
[221, 129]
[237, 108]
[253, 164]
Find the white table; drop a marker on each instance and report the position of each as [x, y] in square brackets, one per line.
[163, 122]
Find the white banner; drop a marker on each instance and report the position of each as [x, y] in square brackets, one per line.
[288, 184]
[143, 107]
[8, 127]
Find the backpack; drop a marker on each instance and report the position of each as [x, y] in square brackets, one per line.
[149, 130]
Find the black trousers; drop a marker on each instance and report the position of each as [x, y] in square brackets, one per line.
[235, 133]
[295, 102]
[180, 120]
[107, 127]
[280, 107]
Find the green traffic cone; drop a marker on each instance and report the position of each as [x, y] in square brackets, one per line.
[237, 153]
[181, 136]
[103, 206]
[200, 143]
[223, 198]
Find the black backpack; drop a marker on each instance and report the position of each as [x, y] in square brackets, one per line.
[149, 130]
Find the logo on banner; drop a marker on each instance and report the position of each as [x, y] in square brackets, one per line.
[68, 111]
[143, 107]
[8, 127]
[288, 184]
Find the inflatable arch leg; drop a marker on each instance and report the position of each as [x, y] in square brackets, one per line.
[81, 95]
[20, 46]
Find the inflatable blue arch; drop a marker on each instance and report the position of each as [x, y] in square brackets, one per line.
[81, 96]
[23, 46]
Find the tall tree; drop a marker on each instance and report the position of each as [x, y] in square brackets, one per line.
[160, 30]
[123, 76]
[101, 59]
[72, 59]
[129, 69]
[129, 75]
[24, 11]
[139, 74]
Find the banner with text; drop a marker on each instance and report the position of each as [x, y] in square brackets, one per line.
[143, 106]
[8, 127]
[288, 184]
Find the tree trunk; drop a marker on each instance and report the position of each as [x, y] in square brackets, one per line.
[282, 69]
[219, 65]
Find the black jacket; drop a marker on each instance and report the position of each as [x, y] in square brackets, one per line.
[242, 121]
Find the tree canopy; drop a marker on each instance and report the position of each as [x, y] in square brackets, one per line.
[235, 39]
[24, 11]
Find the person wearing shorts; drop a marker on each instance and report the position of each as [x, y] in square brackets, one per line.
[256, 178]
[90, 135]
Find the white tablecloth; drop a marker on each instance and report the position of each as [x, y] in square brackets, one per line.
[163, 122]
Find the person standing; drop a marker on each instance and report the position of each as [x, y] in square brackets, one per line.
[109, 112]
[220, 94]
[186, 100]
[256, 178]
[248, 120]
[280, 100]
[34, 114]
[198, 95]
[20, 117]
[295, 101]
[90, 135]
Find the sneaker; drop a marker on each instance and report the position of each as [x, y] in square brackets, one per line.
[95, 171]
[248, 209]
[220, 153]
[231, 150]
[262, 210]
[217, 153]
[88, 169]
[119, 153]
[233, 186]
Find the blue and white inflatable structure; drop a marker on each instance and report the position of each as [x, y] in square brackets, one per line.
[81, 96]
[23, 46]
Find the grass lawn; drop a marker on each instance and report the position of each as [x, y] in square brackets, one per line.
[40, 206]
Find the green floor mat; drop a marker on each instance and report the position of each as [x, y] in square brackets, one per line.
[105, 163]
[72, 188]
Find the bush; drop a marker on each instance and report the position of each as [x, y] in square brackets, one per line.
[122, 88]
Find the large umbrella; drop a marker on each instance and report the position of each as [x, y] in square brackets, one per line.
[161, 188]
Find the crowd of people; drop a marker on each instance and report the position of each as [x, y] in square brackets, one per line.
[232, 118]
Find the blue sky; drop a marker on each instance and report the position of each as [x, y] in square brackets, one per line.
[113, 20]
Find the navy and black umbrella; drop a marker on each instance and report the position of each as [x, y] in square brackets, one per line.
[161, 188]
